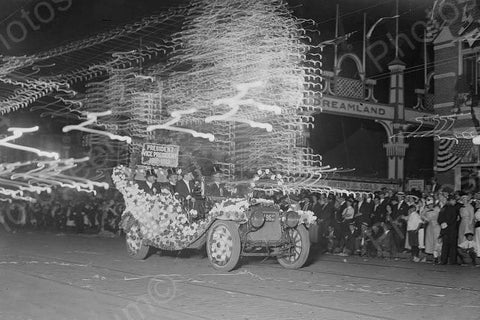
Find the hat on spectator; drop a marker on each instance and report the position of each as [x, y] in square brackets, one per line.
[150, 173]
[468, 234]
[400, 194]
[451, 197]
[414, 197]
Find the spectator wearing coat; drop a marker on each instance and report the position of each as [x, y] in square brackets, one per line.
[447, 219]
[363, 211]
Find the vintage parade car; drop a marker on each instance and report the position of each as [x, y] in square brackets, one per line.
[232, 227]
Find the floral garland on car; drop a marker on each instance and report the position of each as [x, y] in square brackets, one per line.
[161, 219]
[163, 223]
[231, 209]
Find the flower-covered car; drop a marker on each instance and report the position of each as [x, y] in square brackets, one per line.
[232, 227]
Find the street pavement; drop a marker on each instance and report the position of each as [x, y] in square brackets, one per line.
[64, 276]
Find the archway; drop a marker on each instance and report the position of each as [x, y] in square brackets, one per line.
[350, 66]
[351, 143]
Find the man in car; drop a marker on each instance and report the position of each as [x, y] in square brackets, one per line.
[171, 184]
[184, 189]
[150, 185]
[216, 188]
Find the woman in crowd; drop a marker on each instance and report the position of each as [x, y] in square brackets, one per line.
[432, 230]
[467, 217]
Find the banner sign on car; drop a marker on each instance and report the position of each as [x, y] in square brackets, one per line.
[160, 155]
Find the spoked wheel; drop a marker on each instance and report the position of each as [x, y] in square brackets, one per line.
[300, 247]
[223, 245]
[135, 246]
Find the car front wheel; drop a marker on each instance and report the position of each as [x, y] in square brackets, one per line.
[136, 248]
[223, 245]
[299, 247]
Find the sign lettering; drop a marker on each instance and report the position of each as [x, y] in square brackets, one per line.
[369, 110]
[160, 155]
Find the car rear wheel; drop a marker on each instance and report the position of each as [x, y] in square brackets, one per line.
[136, 248]
[297, 254]
[223, 245]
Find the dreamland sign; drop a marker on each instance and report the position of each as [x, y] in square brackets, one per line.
[361, 109]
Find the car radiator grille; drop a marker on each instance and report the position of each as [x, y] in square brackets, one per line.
[270, 231]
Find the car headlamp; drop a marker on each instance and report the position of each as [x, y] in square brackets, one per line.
[292, 219]
[257, 219]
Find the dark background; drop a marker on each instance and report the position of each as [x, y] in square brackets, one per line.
[343, 142]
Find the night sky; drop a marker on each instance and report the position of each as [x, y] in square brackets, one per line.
[78, 19]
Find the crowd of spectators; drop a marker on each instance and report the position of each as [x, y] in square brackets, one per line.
[442, 227]
[62, 211]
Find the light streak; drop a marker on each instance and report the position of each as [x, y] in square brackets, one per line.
[17, 133]
[17, 179]
[93, 119]
[177, 116]
[236, 101]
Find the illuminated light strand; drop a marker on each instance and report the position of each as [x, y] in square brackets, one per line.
[278, 58]
[14, 63]
[197, 47]
[30, 93]
[43, 178]
[48, 174]
[17, 133]
[235, 102]
[145, 23]
[177, 116]
[443, 129]
[93, 119]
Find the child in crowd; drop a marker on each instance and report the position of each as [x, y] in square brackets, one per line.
[332, 240]
[467, 250]
[363, 239]
[375, 240]
[414, 223]
[350, 240]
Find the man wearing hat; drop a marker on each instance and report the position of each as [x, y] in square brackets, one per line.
[216, 188]
[400, 216]
[447, 219]
[363, 210]
[401, 208]
[185, 186]
[171, 184]
[150, 185]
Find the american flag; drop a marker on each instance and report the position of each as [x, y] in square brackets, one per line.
[450, 153]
